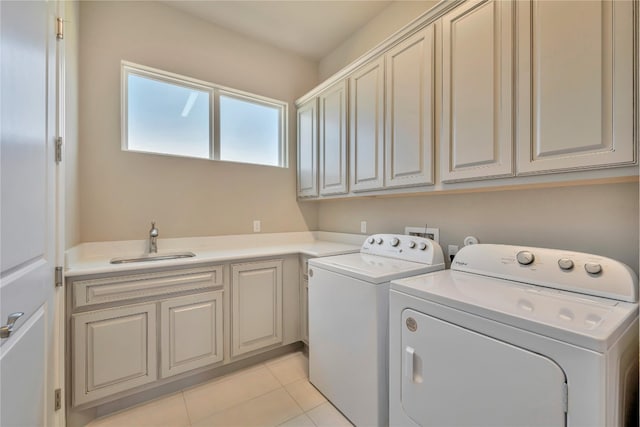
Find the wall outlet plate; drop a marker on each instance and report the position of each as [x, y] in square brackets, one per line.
[363, 226]
[256, 226]
[430, 233]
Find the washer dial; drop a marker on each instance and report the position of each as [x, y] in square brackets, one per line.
[525, 257]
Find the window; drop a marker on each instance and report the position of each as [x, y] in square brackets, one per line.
[168, 114]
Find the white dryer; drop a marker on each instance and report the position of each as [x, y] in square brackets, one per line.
[349, 321]
[515, 336]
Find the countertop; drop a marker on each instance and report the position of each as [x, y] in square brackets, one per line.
[94, 258]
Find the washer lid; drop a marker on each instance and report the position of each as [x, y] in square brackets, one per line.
[372, 268]
[587, 321]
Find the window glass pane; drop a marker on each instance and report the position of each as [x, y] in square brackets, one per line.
[249, 132]
[167, 118]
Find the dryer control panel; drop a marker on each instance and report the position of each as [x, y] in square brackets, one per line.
[571, 271]
[408, 248]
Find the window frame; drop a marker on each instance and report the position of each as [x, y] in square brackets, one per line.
[215, 91]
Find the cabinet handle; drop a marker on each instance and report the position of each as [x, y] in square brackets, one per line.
[6, 330]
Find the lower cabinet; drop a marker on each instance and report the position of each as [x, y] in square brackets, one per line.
[190, 332]
[102, 367]
[256, 305]
[128, 331]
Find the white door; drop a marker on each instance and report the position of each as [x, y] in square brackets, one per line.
[27, 212]
[452, 376]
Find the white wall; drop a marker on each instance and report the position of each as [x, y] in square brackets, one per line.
[599, 219]
[121, 192]
[387, 22]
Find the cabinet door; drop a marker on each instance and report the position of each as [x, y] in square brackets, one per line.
[191, 332]
[256, 296]
[575, 89]
[410, 111]
[308, 149]
[366, 130]
[477, 99]
[113, 350]
[333, 139]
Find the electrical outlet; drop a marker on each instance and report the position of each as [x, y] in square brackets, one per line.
[452, 250]
[363, 226]
[256, 226]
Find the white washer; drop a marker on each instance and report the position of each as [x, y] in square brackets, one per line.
[349, 320]
[515, 336]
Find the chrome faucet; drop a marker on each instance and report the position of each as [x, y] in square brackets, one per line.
[153, 238]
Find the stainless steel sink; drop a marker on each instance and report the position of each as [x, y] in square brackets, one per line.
[153, 257]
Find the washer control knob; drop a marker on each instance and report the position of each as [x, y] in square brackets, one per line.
[379, 240]
[371, 240]
[525, 257]
[565, 264]
[395, 242]
[593, 268]
[412, 244]
[422, 246]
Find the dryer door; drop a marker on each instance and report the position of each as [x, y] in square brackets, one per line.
[452, 376]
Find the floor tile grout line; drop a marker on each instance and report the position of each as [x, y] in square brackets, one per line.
[244, 400]
[186, 408]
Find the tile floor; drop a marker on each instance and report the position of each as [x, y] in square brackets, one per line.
[274, 393]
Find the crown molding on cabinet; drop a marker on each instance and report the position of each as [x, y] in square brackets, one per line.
[412, 27]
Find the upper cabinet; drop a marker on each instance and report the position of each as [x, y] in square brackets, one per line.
[575, 85]
[333, 139]
[366, 137]
[498, 90]
[477, 95]
[410, 112]
[308, 149]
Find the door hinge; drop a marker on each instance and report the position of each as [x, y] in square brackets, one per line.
[59, 28]
[58, 149]
[565, 397]
[57, 399]
[59, 279]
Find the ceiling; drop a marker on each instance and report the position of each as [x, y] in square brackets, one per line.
[310, 28]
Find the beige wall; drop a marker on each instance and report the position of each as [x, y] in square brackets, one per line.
[600, 219]
[387, 22]
[121, 192]
[72, 201]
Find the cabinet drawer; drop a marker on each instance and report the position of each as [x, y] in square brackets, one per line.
[111, 289]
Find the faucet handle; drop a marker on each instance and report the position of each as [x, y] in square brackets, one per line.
[154, 231]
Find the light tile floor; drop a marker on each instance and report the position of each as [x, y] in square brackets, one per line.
[275, 393]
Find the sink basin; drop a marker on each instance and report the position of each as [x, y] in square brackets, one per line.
[153, 257]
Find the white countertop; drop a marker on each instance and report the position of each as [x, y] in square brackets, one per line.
[93, 258]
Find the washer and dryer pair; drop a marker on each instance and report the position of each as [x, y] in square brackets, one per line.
[510, 336]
